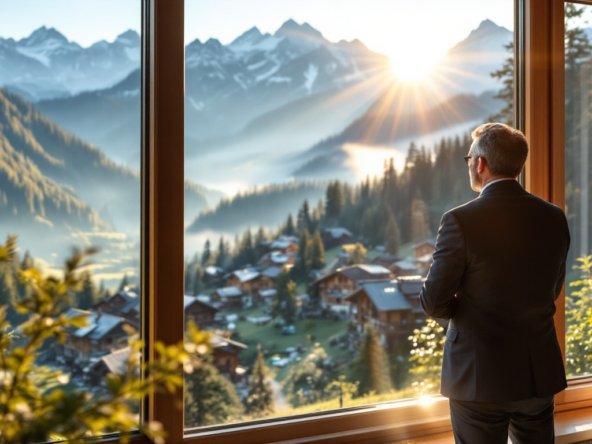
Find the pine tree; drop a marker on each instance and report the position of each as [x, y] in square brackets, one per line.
[210, 398]
[505, 75]
[197, 284]
[289, 229]
[392, 234]
[333, 201]
[87, 296]
[420, 226]
[206, 255]
[372, 366]
[222, 255]
[259, 400]
[316, 252]
[308, 381]
[303, 221]
[124, 283]
[285, 302]
[302, 266]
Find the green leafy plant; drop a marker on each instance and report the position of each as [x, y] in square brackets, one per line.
[578, 316]
[427, 348]
[37, 403]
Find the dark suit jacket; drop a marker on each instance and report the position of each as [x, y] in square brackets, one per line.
[498, 267]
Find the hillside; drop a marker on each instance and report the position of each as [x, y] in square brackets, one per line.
[267, 207]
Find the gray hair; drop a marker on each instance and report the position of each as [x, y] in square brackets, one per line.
[504, 148]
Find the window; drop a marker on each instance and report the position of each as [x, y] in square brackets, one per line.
[70, 168]
[326, 141]
[578, 132]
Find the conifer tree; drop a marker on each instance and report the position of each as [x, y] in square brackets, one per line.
[124, 283]
[505, 75]
[316, 252]
[372, 366]
[304, 221]
[302, 266]
[285, 302]
[333, 201]
[420, 226]
[260, 396]
[206, 255]
[289, 229]
[309, 380]
[222, 255]
[197, 284]
[392, 234]
[87, 295]
[210, 398]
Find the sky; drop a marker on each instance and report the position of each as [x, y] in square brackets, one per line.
[383, 25]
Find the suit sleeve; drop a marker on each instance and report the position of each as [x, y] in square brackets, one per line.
[444, 278]
[561, 276]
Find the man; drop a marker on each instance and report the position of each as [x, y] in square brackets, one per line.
[498, 267]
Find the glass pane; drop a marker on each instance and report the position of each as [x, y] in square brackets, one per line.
[578, 140]
[70, 178]
[323, 142]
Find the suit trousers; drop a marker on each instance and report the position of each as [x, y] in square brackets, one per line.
[529, 421]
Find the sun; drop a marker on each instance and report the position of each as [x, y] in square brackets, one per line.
[414, 63]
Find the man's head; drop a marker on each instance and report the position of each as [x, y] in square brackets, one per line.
[498, 151]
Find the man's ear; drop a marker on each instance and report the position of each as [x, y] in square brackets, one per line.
[481, 164]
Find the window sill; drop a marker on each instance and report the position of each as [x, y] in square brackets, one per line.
[402, 422]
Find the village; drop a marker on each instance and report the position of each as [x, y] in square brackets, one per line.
[332, 309]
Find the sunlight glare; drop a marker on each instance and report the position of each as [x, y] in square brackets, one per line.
[415, 62]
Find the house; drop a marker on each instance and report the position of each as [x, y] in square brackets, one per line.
[125, 304]
[336, 236]
[405, 267]
[384, 259]
[199, 312]
[392, 307]
[226, 356]
[249, 280]
[267, 296]
[422, 248]
[103, 334]
[284, 244]
[276, 259]
[229, 297]
[114, 362]
[334, 288]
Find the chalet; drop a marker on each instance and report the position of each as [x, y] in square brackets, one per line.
[103, 334]
[427, 246]
[334, 288]
[115, 363]
[284, 244]
[249, 280]
[226, 360]
[229, 297]
[336, 236]
[276, 259]
[404, 267]
[125, 304]
[384, 259]
[213, 274]
[199, 312]
[391, 306]
[267, 296]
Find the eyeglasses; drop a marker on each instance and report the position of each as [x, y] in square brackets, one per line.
[467, 159]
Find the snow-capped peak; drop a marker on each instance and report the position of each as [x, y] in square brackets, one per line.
[293, 30]
[42, 35]
[250, 37]
[129, 38]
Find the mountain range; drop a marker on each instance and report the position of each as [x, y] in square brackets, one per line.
[276, 95]
[57, 190]
[260, 110]
[47, 65]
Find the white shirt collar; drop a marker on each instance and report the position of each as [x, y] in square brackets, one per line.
[494, 181]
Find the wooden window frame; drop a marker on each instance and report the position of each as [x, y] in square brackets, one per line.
[540, 114]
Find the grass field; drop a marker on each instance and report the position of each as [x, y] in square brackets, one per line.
[269, 337]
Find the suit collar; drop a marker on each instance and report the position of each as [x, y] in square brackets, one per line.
[503, 188]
